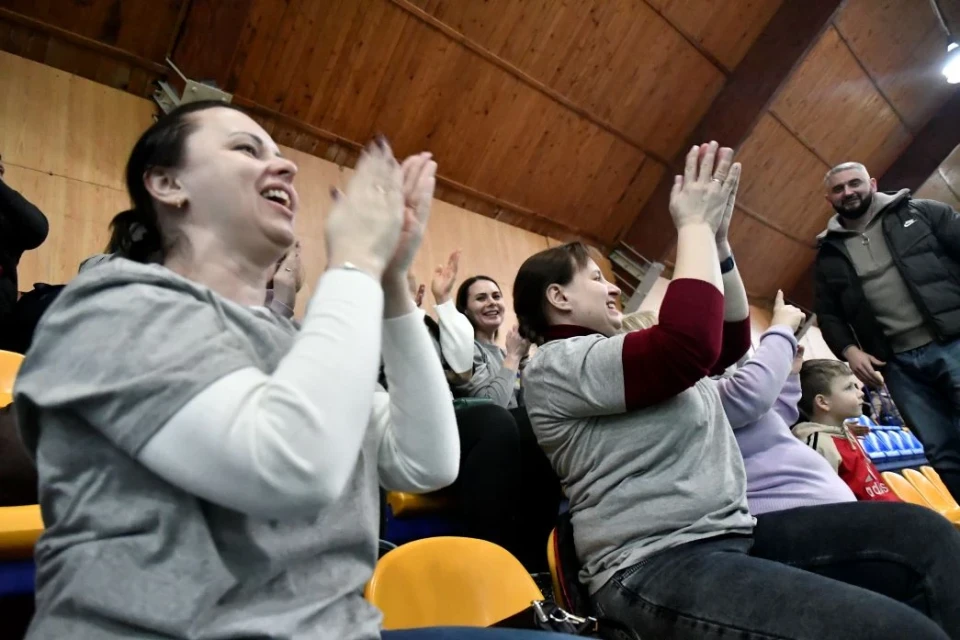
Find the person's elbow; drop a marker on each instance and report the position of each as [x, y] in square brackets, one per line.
[37, 232]
[303, 487]
[413, 477]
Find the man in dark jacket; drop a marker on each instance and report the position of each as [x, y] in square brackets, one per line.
[22, 227]
[888, 299]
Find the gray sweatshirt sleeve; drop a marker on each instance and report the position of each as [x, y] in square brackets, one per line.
[490, 379]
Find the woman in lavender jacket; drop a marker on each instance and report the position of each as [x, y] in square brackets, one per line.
[807, 517]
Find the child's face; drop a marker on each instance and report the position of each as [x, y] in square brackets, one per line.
[846, 398]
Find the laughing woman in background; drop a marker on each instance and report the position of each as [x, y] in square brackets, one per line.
[496, 378]
[206, 469]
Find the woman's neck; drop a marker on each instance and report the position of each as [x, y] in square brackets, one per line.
[483, 336]
[227, 274]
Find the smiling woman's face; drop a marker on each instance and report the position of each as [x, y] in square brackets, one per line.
[237, 184]
[485, 306]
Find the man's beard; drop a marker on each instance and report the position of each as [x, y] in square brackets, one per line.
[855, 214]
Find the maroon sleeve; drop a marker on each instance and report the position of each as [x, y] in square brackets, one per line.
[670, 357]
[736, 342]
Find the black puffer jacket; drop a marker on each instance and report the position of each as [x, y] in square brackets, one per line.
[924, 240]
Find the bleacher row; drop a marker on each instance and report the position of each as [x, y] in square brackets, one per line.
[891, 448]
[490, 583]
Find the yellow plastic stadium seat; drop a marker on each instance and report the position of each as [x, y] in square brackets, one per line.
[410, 504]
[946, 507]
[903, 489]
[19, 529]
[937, 481]
[9, 365]
[5, 399]
[449, 581]
[555, 571]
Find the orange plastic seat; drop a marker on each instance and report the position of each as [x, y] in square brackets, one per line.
[5, 399]
[410, 504]
[449, 581]
[944, 505]
[9, 365]
[937, 481]
[903, 489]
[554, 563]
[19, 529]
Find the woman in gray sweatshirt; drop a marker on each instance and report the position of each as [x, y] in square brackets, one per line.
[496, 377]
[207, 468]
[657, 487]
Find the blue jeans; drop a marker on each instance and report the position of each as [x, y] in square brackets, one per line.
[852, 571]
[925, 385]
[470, 633]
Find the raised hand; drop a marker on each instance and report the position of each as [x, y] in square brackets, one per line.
[786, 314]
[723, 231]
[289, 273]
[419, 181]
[364, 226]
[797, 361]
[700, 195]
[416, 290]
[444, 277]
[517, 346]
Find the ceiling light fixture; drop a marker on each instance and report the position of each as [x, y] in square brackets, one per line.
[951, 65]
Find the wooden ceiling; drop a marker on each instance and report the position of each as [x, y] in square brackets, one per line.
[559, 116]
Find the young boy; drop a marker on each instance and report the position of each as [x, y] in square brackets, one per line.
[830, 395]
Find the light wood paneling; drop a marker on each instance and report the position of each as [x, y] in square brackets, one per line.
[902, 47]
[725, 29]
[89, 128]
[78, 213]
[833, 106]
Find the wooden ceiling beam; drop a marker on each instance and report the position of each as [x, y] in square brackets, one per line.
[744, 98]
[931, 146]
[84, 42]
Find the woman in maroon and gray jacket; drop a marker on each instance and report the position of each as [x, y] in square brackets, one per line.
[637, 432]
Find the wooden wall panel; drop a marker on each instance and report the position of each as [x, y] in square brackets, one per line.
[38, 45]
[90, 128]
[73, 174]
[143, 27]
[782, 181]
[608, 56]
[831, 104]
[78, 213]
[725, 29]
[902, 47]
[767, 260]
[937, 188]
[477, 120]
[944, 183]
